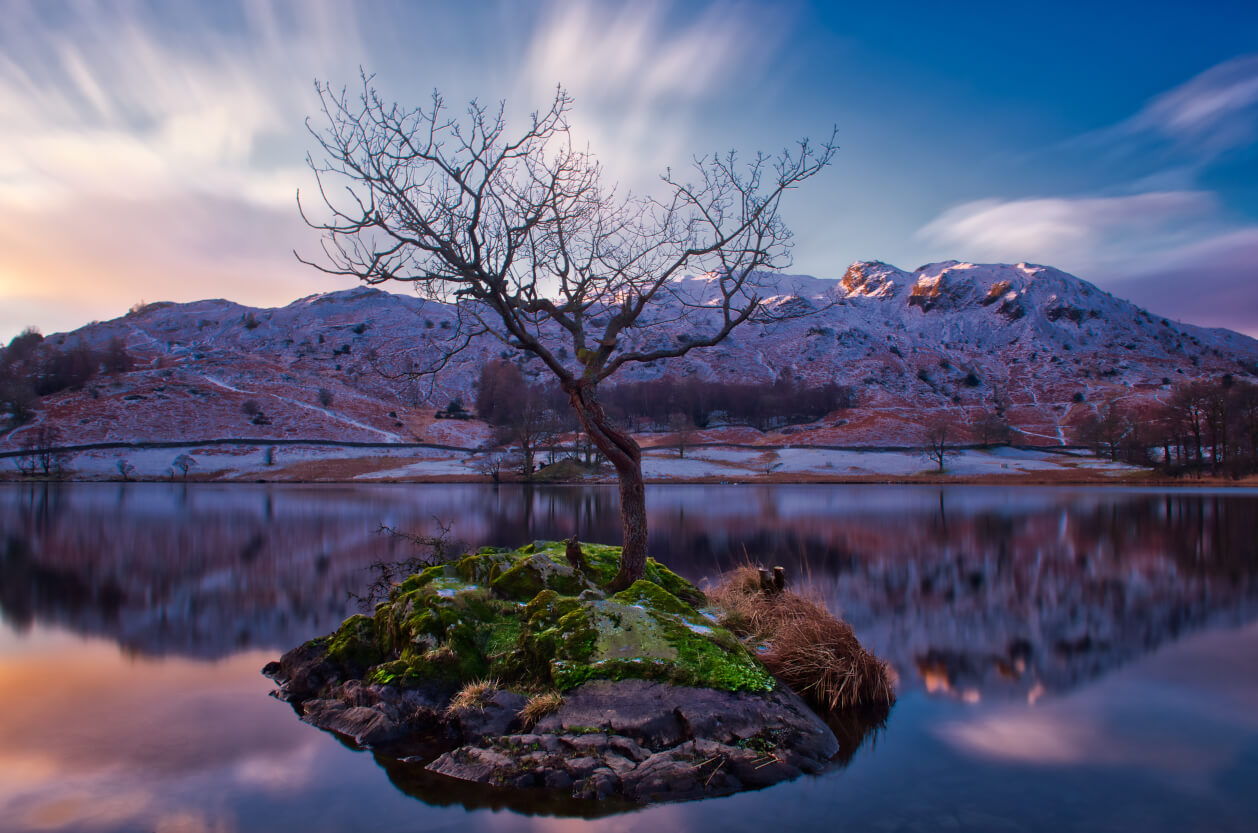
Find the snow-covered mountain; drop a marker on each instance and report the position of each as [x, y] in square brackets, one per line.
[1043, 345]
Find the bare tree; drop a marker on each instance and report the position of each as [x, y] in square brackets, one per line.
[992, 429]
[520, 235]
[491, 466]
[1107, 429]
[41, 453]
[529, 429]
[940, 436]
[183, 463]
[682, 427]
[125, 468]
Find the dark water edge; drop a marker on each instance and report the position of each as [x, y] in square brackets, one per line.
[1069, 658]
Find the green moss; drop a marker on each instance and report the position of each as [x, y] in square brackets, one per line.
[536, 572]
[675, 584]
[353, 646]
[516, 616]
[603, 562]
[418, 580]
[651, 595]
[484, 565]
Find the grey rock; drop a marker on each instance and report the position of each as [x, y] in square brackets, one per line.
[367, 726]
[660, 743]
[470, 763]
[557, 779]
[624, 708]
[499, 716]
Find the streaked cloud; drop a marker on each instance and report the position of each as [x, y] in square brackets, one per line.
[1209, 114]
[1079, 232]
[639, 71]
[102, 103]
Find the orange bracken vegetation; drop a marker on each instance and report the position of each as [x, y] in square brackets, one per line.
[802, 644]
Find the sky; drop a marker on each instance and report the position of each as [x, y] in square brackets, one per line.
[153, 151]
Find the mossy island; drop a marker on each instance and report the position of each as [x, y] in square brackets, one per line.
[515, 669]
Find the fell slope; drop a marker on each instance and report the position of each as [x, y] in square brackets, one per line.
[1039, 344]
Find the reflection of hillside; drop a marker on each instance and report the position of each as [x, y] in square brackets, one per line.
[974, 599]
[973, 591]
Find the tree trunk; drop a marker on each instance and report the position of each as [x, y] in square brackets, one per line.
[626, 456]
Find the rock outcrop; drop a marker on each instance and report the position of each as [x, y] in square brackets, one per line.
[514, 669]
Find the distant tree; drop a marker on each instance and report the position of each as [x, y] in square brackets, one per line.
[682, 427]
[41, 454]
[325, 397]
[500, 387]
[250, 407]
[491, 466]
[1106, 429]
[17, 398]
[125, 469]
[183, 463]
[522, 237]
[455, 407]
[529, 429]
[992, 429]
[940, 436]
[1190, 404]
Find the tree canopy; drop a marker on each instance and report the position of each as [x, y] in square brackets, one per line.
[518, 231]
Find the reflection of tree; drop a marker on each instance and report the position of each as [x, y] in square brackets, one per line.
[981, 593]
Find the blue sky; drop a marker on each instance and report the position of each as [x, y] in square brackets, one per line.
[151, 151]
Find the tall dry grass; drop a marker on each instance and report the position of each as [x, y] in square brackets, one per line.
[803, 644]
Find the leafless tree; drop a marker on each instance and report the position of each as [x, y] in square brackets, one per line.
[125, 468]
[41, 453]
[183, 463]
[491, 466]
[530, 429]
[682, 427]
[518, 233]
[940, 436]
[1107, 428]
[429, 550]
[992, 429]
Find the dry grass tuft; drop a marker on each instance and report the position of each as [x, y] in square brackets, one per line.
[809, 649]
[538, 706]
[473, 696]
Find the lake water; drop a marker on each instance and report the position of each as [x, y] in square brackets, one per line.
[1068, 659]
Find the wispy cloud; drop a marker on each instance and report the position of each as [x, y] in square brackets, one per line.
[1080, 231]
[1209, 114]
[145, 158]
[1154, 236]
[102, 103]
[641, 71]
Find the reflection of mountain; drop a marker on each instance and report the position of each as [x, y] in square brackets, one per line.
[968, 590]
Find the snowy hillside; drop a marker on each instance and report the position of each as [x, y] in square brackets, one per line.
[1043, 347]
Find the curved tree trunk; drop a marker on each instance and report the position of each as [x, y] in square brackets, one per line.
[626, 456]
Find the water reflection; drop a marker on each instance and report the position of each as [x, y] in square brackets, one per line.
[970, 592]
[1061, 597]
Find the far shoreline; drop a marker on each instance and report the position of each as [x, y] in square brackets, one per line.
[252, 460]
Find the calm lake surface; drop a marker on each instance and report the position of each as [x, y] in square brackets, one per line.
[1068, 658]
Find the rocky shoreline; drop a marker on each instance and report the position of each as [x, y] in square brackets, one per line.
[638, 697]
